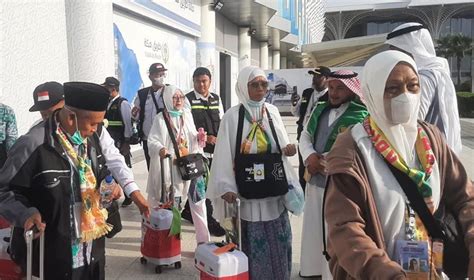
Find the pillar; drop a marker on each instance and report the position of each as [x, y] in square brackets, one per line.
[206, 45]
[264, 55]
[283, 64]
[276, 49]
[90, 40]
[276, 59]
[244, 47]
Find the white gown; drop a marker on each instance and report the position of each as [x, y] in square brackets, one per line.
[159, 138]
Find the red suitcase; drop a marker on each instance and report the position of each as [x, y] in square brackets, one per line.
[157, 246]
[8, 269]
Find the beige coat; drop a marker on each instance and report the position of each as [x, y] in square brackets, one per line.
[355, 236]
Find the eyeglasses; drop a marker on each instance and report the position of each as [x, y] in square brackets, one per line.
[256, 85]
[178, 98]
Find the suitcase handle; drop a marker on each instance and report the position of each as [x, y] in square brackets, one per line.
[29, 234]
[164, 198]
[238, 224]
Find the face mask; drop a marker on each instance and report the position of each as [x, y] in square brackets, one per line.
[76, 138]
[256, 104]
[159, 81]
[403, 107]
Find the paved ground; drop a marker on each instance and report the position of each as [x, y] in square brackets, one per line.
[123, 251]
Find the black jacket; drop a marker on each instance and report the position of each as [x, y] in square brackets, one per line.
[38, 174]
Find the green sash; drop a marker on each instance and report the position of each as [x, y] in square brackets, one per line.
[354, 114]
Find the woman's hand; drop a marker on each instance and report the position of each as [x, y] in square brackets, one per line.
[289, 150]
[163, 152]
[230, 197]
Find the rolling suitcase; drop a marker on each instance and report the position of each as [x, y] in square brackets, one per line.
[29, 255]
[224, 260]
[158, 246]
[9, 270]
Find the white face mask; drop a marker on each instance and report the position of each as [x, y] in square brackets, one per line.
[159, 81]
[403, 107]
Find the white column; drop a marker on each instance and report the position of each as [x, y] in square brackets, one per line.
[89, 26]
[206, 45]
[276, 49]
[244, 47]
[283, 64]
[290, 64]
[207, 42]
[264, 55]
[33, 50]
[276, 59]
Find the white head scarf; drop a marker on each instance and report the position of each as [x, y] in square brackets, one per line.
[376, 71]
[168, 94]
[246, 75]
[419, 44]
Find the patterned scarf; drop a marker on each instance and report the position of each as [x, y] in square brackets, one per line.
[423, 150]
[93, 217]
[257, 131]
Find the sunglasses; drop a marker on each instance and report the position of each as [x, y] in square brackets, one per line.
[256, 85]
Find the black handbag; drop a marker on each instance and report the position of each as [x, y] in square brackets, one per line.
[190, 166]
[274, 182]
[114, 219]
[443, 225]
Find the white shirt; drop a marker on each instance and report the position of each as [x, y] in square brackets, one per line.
[150, 109]
[116, 164]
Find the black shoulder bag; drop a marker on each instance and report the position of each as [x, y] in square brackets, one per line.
[190, 166]
[442, 225]
[275, 182]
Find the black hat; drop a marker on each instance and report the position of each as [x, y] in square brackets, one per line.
[202, 71]
[86, 96]
[46, 96]
[156, 67]
[111, 82]
[321, 70]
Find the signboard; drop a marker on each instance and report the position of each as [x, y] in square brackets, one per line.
[138, 45]
[284, 82]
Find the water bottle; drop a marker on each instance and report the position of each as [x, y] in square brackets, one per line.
[201, 137]
[106, 188]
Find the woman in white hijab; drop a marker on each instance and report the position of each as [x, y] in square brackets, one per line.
[438, 103]
[160, 145]
[370, 221]
[266, 231]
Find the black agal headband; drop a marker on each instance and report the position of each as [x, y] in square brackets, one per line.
[402, 31]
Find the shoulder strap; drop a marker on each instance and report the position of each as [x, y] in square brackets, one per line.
[170, 131]
[154, 99]
[240, 127]
[325, 251]
[417, 202]
[272, 127]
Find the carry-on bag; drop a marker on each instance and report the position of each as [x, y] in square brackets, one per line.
[161, 245]
[9, 270]
[224, 260]
[29, 235]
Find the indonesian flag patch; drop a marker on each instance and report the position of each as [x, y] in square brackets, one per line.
[43, 96]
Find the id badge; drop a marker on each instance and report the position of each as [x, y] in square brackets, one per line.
[413, 256]
[438, 247]
[258, 172]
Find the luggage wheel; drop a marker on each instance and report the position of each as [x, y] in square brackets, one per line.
[177, 265]
[143, 260]
[158, 269]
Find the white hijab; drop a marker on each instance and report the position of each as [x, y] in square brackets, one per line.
[419, 44]
[168, 94]
[376, 71]
[246, 75]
